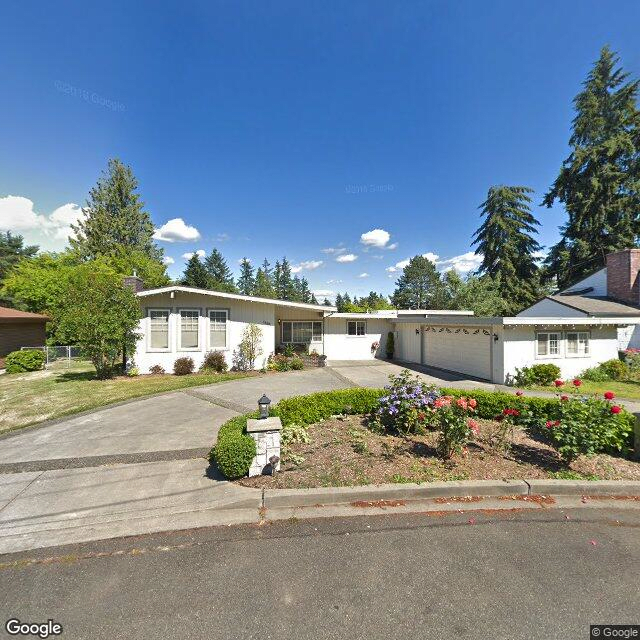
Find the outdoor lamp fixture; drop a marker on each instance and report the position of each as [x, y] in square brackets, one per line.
[417, 332]
[263, 405]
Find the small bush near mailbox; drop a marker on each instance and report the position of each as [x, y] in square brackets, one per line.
[233, 454]
[23, 361]
[183, 366]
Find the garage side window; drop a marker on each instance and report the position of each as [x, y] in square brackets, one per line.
[189, 334]
[159, 328]
[577, 344]
[356, 328]
[218, 329]
[547, 344]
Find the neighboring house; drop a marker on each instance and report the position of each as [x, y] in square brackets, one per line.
[20, 329]
[613, 291]
[182, 321]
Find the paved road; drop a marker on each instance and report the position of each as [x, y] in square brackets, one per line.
[529, 575]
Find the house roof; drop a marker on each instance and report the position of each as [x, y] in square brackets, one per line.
[14, 315]
[235, 296]
[520, 320]
[598, 306]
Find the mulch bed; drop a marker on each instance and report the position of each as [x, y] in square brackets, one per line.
[343, 451]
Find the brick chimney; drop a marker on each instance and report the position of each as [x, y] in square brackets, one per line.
[134, 282]
[623, 280]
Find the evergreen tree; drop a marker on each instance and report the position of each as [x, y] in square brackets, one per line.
[327, 302]
[419, 286]
[195, 274]
[304, 294]
[12, 251]
[478, 294]
[264, 286]
[247, 280]
[599, 183]
[339, 303]
[314, 300]
[277, 280]
[114, 218]
[220, 276]
[286, 288]
[505, 241]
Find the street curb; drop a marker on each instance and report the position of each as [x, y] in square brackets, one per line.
[277, 498]
[282, 498]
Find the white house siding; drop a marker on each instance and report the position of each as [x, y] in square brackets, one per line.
[551, 309]
[520, 349]
[340, 346]
[241, 314]
[408, 343]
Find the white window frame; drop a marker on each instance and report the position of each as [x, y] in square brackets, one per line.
[587, 354]
[356, 334]
[226, 337]
[548, 356]
[179, 330]
[151, 349]
[314, 339]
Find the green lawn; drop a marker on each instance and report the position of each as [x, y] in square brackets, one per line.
[59, 391]
[628, 389]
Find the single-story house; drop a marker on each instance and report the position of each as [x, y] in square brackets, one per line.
[20, 329]
[611, 291]
[183, 321]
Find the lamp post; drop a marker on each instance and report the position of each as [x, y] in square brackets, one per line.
[263, 405]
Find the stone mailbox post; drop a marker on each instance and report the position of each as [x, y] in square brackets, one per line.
[266, 433]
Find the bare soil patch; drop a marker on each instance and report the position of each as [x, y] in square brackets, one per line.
[344, 452]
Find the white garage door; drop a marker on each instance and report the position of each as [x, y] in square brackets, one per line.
[465, 350]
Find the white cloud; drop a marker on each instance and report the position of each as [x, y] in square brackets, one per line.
[168, 260]
[334, 250]
[393, 246]
[375, 238]
[433, 257]
[347, 257]
[201, 253]
[51, 231]
[307, 265]
[176, 230]
[363, 275]
[222, 237]
[464, 263]
[398, 266]
[334, 281]
[240, 260]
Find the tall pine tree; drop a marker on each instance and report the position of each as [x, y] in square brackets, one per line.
[220, 276]
[505, 241]
[599, 183]
[419, 286]
[114, 218]
[247, 280]
[195, 274]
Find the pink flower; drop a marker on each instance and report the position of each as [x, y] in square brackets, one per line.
[616, 409]
[519, 393]
[577, 382]
[549, 424]
[473, 403]
[462, 403]
[564, 397]
[473, 425]
[558, 383]
[609, 395]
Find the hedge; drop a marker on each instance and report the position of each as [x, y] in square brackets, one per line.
[231, 452]
[25, 360]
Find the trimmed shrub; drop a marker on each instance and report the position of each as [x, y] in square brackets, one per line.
[183, 366]
[157, 369]
[233, 454]
[214, 361]
[296, 363]
[390, 346]
[23, 361]
[595, 374]
[542, 374]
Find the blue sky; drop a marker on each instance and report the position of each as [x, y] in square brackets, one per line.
[273, 128]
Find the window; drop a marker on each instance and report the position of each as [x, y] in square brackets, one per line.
[159, 328]
[299, 332]
[548, 344]
[189, 335]
[356, 328]
[577, 344]
[218, 329]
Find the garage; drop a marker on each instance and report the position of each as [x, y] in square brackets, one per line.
[462, 349]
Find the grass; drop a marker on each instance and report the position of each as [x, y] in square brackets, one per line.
[627, 389]
[58, 391]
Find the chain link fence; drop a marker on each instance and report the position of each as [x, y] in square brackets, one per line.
[61, 353]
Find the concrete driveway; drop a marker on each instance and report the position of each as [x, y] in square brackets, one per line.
[188, 420]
